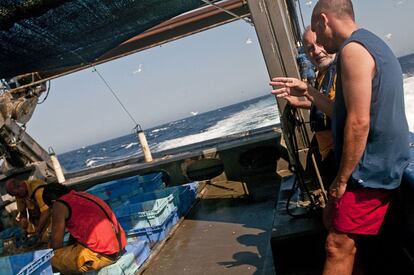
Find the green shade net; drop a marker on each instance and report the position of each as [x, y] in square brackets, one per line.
[46, 35]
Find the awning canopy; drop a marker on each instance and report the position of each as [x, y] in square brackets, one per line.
[47, 35]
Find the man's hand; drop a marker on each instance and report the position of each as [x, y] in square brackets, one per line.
[335, 192]
[298, 102]
[289, 87]
[336, 189]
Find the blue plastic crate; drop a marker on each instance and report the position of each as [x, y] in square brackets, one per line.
[187, 194]
[145, 214]
[117, 188]
[156, 233]
[136, 254]
[34, 262]
[151, 182]
[114, 192]
[154, 195]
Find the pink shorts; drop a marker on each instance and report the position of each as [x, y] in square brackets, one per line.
[362, 211]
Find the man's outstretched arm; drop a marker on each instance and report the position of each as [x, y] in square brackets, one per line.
[295, 87]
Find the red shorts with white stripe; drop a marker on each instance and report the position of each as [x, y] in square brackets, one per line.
[361, 211]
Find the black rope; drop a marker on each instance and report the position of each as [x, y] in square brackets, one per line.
[297, 121]
[299, 170]
[47, 94]
[312, 149]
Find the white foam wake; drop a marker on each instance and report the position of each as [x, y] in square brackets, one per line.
[92, 162]
[129, 145]
[159, 129]
[261, 114]
[264, 113]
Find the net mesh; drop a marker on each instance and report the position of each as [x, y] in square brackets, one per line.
[45, 35]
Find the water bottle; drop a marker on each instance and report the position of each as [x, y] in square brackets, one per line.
[307, 71]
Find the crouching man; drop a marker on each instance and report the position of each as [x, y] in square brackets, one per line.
[100, 240]
[34, 214]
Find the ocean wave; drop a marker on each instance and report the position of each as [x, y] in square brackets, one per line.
[264, 113]
[257, 115]
[129, 145]
[159, 129]
[409, 100]
[91, 162]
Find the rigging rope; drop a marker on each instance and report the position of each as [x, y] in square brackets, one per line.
[301, 15]
[47, 93]
[107, 85]
[247, 20]
[299, 182]
[116, 97]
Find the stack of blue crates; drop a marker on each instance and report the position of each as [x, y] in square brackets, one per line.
[147, 213]
[118, 191]
[115, 192]
[151, 182]
[187, 195]
[156, 227]
[144, 207]
[34, 263]
[154, 234]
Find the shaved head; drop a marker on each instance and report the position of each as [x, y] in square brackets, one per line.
[308, 30]
[338, 8]
[333, 21]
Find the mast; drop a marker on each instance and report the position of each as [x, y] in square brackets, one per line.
[278, 35]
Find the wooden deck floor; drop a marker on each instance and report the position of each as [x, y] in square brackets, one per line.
[227, 232]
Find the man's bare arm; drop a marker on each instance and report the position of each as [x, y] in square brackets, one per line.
[44, 217]
[59, 215]
[44, 212]
[321, 101]
[358, 70]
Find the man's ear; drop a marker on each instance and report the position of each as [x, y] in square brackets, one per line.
[324, 20]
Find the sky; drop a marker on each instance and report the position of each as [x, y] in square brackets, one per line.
[389, 19]
[202, 72]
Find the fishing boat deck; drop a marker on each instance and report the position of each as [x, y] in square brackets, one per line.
[226, 232]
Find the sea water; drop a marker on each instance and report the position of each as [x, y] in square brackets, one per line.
[248, 115]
